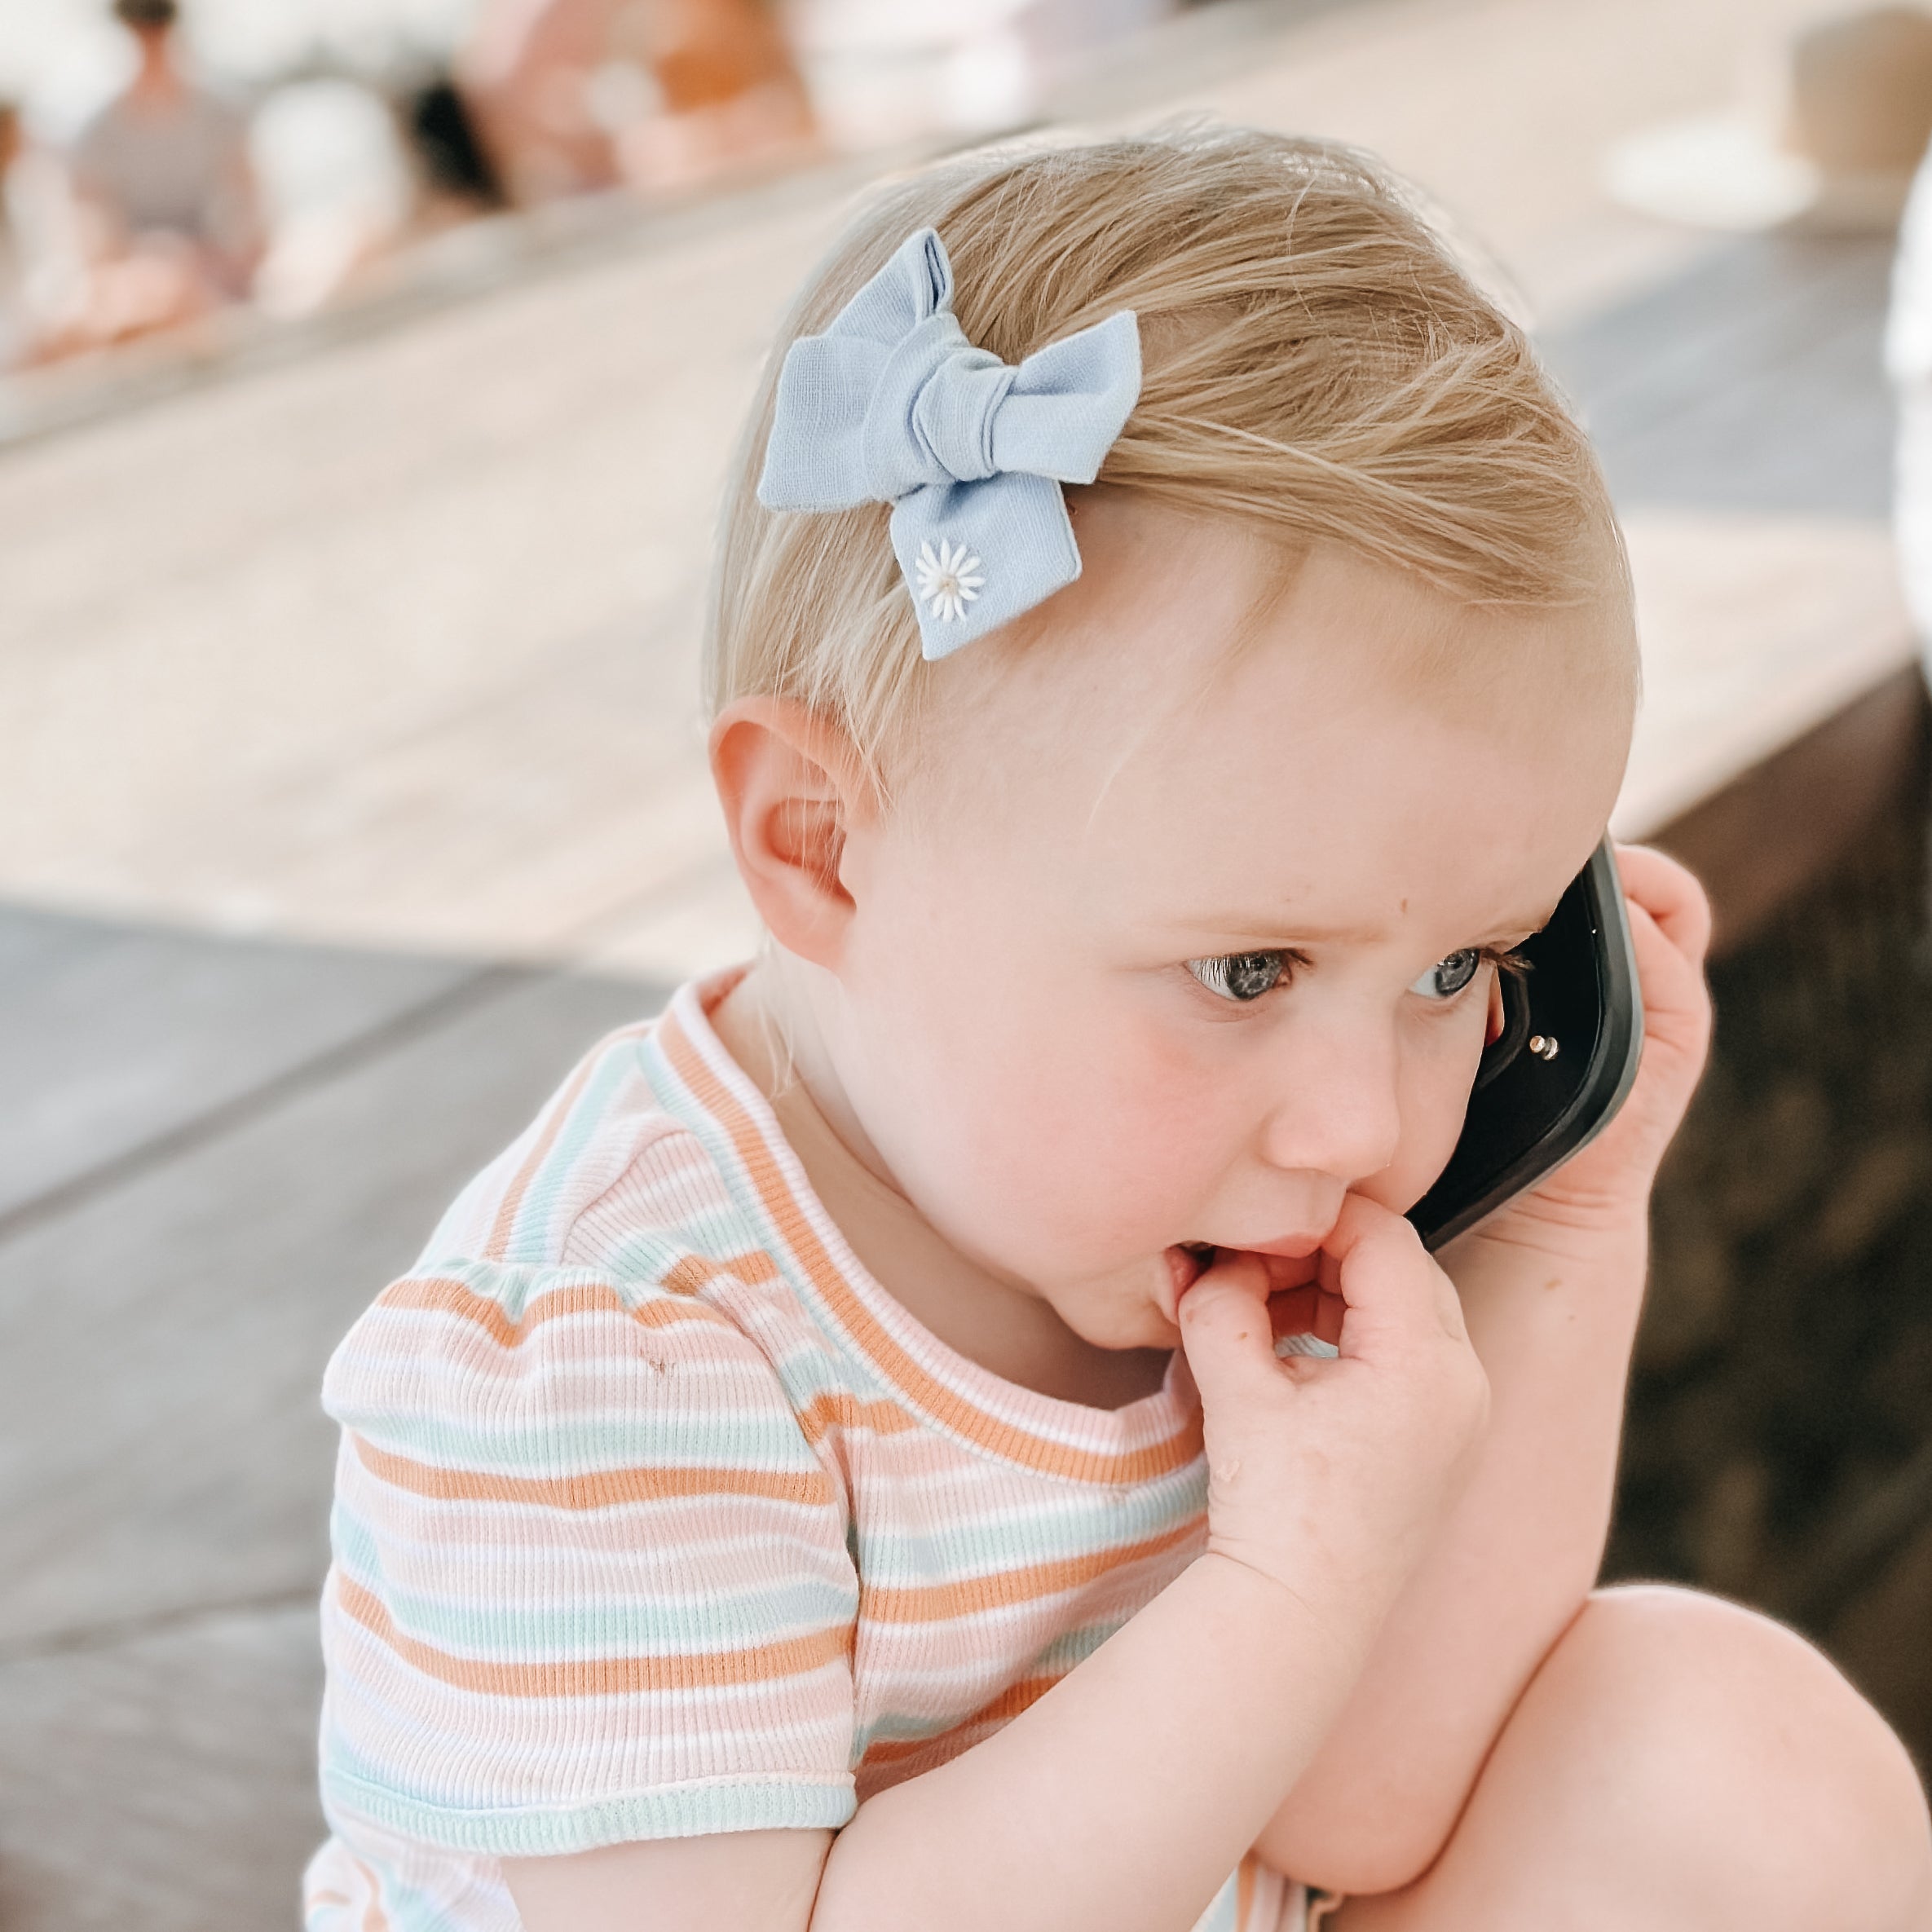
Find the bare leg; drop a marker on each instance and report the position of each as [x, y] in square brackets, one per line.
[1680, 1765]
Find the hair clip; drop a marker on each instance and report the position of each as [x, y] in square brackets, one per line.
[892, 404]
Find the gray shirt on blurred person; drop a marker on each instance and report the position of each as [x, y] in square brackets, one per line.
[178, 167]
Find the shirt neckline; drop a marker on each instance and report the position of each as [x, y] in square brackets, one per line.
[1146, 1439]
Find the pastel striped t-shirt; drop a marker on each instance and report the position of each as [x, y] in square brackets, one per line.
[655, 1514]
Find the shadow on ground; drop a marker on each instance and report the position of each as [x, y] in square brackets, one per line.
[214, 1153]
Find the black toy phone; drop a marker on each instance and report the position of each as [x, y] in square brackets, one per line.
[1573, 1029]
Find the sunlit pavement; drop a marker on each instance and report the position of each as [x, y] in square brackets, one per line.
[351, 781]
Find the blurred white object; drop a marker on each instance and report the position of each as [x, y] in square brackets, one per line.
[881, 72]
[336, 186]
[1829, 145]
[45, 267]
[1908, 361]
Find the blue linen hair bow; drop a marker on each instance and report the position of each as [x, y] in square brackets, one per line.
[892, 404]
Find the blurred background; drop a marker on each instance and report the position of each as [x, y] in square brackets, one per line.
[370, 371]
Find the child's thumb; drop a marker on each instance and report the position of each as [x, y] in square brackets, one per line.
[1225, 1332]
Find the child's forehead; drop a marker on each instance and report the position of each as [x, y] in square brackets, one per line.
[1181, 625]
[1205, 709]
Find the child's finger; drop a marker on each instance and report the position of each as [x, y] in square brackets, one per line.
[1226, 1334]
[1676, 1002]
[1670, 894]
[1374, 1261]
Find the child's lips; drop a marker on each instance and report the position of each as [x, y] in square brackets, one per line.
[1289, 1262]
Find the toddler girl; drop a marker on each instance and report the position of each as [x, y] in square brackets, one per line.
[948, 1427]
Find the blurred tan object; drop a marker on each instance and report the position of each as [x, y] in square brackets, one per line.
[529, 76]
[1828, 146]
[574, 95]
[14, 329]
[731, 99]
[883, 72]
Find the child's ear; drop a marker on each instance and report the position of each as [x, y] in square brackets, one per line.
[793, 789]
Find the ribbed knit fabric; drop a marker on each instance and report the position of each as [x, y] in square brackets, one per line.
[655, 1514]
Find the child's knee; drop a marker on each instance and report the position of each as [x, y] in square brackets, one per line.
[1738, 1752]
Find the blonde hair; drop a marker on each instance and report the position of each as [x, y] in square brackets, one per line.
[1317, 365]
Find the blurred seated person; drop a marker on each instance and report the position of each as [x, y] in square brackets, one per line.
[165, 194]
[573, 95]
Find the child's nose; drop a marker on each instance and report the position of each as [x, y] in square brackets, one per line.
[1338, 1107]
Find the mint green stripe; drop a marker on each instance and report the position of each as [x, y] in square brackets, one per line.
[708, 1619]
[753, 1439]
[513, 1287]
[407, 1908]
[742, 1190]
[679, 1100]
[1221, 1915]
[717, 1231]
[1070, 1648]
[1074, 1647]
[975, 1545]
[673, 1811]
[530, 1238]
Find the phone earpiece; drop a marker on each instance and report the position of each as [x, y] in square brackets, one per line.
[1514, 1032]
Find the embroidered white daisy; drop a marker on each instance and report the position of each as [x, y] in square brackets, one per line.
[949, 578]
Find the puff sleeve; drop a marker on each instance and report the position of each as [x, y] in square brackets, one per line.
[591, 1581]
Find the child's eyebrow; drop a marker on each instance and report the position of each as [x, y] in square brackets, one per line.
[1272, 930]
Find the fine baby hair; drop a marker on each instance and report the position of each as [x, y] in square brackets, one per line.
[1317, 366]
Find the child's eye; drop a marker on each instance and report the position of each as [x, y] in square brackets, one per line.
[1241, 976]
[1448, 976]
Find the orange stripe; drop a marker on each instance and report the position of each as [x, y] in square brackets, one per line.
[696, 1272]
[840, 1409]
[583, 1298]
[831, 1409]
[988, 1431]
[1244, 1894]
[595, 1677]
[970, 1596]
[560, 1111]
[594, 1489]
[373, 1917]
[1017, 1697]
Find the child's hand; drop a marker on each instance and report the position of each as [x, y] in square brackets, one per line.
[1608, 1185]
[1329, 1476]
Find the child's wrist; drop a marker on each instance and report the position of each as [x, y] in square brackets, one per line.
[1284, 1619]
[1596, 1230]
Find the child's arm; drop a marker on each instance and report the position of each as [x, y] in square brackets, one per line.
[1123, 1798]
[1552, 1292]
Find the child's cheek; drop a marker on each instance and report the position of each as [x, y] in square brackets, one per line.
[1116, 1140]
[1435, 1103]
